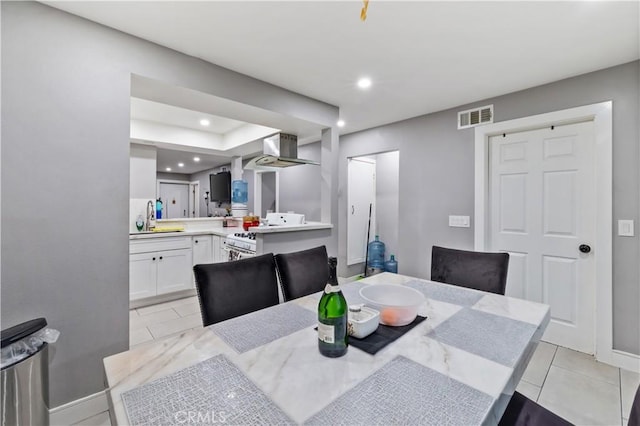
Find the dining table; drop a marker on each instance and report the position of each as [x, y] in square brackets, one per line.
[458, 366]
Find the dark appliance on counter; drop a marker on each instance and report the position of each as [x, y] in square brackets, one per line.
[220, 187]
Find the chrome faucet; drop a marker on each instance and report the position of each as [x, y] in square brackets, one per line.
[147, 224]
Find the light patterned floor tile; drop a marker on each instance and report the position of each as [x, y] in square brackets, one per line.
[138, 336]
[187, 309]
[102, 419]
[579, 362]
[539, 365]
[580, 399]
[184, 301]
[153, 318]
[165, 328]
[529, 390]
[629, 382]
[146, 310]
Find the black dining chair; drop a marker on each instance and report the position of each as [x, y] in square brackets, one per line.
[303, 272]
[471, 269]
[634, 415]
[230, 289]
[522, 411]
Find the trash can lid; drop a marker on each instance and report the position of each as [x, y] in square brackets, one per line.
[20, 331]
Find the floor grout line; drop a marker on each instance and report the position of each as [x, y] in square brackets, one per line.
[555, 351]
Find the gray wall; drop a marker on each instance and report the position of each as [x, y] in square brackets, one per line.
[387, 190]
[300, 185]
[75, 77]
[203, 178]
[268, 193]
[437, 178]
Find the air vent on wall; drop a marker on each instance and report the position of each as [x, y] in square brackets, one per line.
[475, 117]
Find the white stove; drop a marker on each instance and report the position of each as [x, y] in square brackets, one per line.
[240, 245]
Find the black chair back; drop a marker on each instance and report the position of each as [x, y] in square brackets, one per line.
[303, 272]
[231, 289]
[634, 416]
[471, 269]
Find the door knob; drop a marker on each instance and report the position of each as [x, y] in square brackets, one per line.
[584, 248]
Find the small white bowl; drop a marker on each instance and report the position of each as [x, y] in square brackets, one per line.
[363, 323]
[397, 304]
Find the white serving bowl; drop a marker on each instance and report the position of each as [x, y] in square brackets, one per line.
[397, 304]
[363, 323]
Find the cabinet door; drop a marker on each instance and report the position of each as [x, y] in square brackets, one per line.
[142, 275]
[223, 255]
[202, 250]
[174, 271]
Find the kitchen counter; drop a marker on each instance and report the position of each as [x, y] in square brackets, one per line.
[222, 232]
[309, 226]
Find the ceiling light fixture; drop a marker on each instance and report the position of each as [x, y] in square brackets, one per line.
[204, 122]
[340, 123]
[168, 169]
[196, 159]
[364, 83]
[180, 164]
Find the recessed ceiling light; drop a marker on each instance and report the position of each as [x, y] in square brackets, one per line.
[168, 169]
[340, 123]
[364, 83]
[180, 164]
[196, 159]
[205, 122]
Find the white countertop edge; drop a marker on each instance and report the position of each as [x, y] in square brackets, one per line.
[309, 226]
[222, 232]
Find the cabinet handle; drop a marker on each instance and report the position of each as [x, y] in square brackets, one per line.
[153, 258]
[196, 241]
[160, 257]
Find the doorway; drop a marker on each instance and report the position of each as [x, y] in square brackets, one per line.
[542, 210]
[175, 199]
[372, 186]
[194, 199]
[266, 196]
[554, 212]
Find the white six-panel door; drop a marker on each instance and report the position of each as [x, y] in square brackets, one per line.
[542, 209]
[361, 193]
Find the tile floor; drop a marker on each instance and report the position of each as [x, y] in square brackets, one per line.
[569, 383]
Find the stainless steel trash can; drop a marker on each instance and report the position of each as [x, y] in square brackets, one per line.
[25, 384]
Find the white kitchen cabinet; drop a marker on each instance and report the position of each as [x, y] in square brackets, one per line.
[220, 253]
[142, 275]
[203, 249]
[174, 271]
[159, 266]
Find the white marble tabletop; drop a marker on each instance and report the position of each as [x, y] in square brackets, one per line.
[464, 360]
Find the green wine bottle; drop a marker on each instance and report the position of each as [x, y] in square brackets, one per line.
[332, 317]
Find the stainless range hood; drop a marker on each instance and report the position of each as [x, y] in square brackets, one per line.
[279, 150]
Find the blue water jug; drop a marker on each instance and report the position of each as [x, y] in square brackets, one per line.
[376, 254]
[159, 208]
[239, 192]
[391, 265]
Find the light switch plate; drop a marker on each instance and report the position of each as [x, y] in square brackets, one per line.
[459, 221]
[625, 228]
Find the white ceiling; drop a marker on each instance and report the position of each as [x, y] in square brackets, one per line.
[170, 158]
[421, 56]
[142, 109]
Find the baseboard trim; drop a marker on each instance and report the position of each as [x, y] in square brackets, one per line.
[626, 360]
[78, 410]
